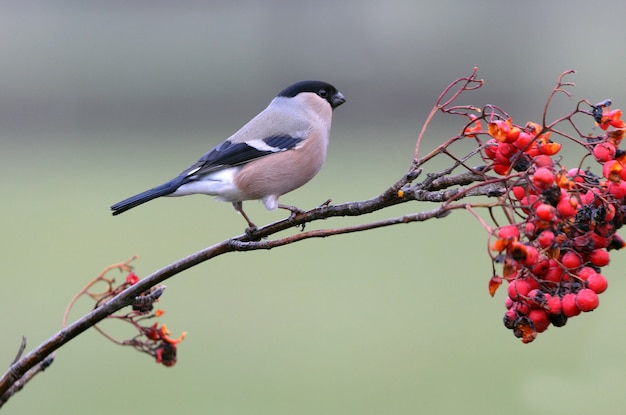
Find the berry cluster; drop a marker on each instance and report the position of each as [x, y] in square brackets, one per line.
[565, 221]
[153, 340]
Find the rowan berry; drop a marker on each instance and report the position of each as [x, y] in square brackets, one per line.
[543, 178]
[599, 257]
[597, 283]
[587, 300]
[540, 319]
[568, 305]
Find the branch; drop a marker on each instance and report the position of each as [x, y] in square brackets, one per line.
[401, 192]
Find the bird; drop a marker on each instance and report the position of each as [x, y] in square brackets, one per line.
[279, 150]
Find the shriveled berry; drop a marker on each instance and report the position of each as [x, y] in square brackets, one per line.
[494, 283]
[525, 254]
[510, 317]
[558, 320]
[598, 241]
[587, 300]
[611, 170]
[548, 147]
[521, 307]
[616, 242]
[536, 298]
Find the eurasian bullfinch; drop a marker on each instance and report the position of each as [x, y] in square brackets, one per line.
[279, 150]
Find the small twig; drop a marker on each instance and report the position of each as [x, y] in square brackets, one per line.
[20, 350]
[122, 266]
[468, 83]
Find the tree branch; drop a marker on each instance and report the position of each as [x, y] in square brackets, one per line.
[401, 192]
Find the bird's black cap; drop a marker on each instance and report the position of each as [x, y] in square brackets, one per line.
[323, 89]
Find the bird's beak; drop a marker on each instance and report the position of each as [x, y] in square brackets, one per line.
[337, 100]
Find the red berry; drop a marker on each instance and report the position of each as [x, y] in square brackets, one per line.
[519, 192]
[545, 212]
[568, 305]
[541, 267]
[505, 152]
[571, 260]
[522, 308]
[543, 178]
[540, 320]
[576, 175]
[490, 148]
[587, 300]
[532, 256]
[529, 229]
[618, 190]
[546, 239]
[592, 196]
[501, 168]
[599, 257]
[604, 152]
[610, 213]
[553, 304]
[518, 288]
[523, 141]
[132, 278]
[543, 161]
[585, 272]
[567, 207]
[555, 273]
[597, 283]
[529, 202]
[508, 232]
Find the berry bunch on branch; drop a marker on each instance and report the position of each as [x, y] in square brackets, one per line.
[561, 218]
[550, 222]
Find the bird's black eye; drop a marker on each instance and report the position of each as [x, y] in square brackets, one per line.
[322, 93]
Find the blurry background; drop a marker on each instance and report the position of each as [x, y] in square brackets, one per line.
[101, 100]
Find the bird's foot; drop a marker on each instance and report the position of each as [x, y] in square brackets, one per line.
[294, 214]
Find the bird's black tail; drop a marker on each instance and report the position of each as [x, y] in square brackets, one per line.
[148, 195]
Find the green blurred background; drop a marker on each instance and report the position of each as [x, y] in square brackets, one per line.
[101, 100]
